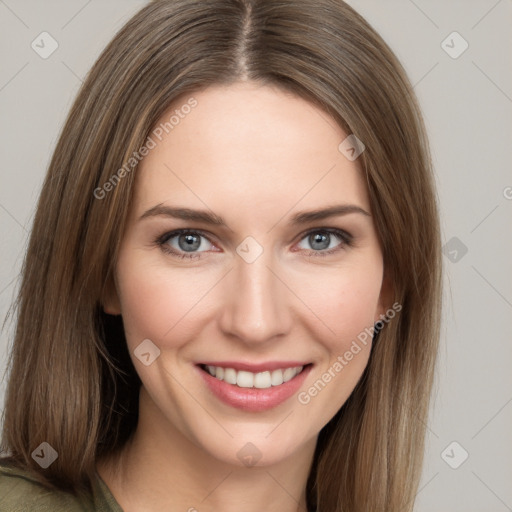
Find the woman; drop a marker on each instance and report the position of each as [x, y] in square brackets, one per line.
[231, 293]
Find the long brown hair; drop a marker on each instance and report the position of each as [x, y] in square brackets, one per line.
[71, 381]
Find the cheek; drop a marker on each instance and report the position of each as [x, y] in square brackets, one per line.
[346, 301]
[155, 302]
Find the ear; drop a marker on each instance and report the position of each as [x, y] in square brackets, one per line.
[386, 296]
[110, 300]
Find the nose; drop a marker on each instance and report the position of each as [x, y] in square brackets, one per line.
[256, 303]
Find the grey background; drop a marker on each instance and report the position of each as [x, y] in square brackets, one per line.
[467, 104]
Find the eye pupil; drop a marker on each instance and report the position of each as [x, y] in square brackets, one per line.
[189, 242]
[319, 238]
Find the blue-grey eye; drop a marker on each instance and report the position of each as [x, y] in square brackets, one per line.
[189, 242]
[321, 240]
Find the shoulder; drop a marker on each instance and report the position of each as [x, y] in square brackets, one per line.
[21, 492]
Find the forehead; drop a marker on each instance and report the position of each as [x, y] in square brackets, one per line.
[247, 147]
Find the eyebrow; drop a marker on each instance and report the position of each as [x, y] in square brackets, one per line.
[207, 217]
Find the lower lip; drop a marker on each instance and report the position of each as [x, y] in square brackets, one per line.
[254, 399]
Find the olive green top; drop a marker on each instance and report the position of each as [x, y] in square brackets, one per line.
[20, 492]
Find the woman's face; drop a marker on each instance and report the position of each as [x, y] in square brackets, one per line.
[256, 283]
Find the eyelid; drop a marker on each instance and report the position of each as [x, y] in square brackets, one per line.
[175, 232]
[345, 235]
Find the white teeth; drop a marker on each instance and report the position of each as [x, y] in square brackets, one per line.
[288, 374]
[261, 380]
[229, 376]
[244, 379]
[277, 377]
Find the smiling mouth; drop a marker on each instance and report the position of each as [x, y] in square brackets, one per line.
[259, 380]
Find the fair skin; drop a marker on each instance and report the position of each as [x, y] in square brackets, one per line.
[256, 156]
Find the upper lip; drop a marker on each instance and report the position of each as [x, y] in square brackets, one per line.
[255, 367]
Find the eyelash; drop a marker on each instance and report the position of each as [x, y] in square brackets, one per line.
[161, 241]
